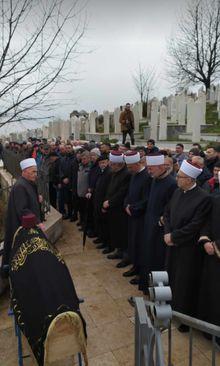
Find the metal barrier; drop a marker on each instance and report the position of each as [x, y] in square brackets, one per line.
[154, 316]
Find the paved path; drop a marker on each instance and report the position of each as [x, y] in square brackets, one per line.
[108, 315]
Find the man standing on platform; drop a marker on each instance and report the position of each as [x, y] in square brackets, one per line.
[127, 123]
[152, 248]
[184, 218]
[23, 200]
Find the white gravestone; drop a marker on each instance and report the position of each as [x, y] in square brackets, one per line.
[106, 117]
[202, 100]
[76, 127]
[190, 105]
[169, 106]
[173, 109]
[116, 120]
[197, 118]
[181, 116]
[163, 123]
[154, 118]
[92, 121]
[135, 111]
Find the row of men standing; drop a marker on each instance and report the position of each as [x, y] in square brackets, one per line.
[153, 221]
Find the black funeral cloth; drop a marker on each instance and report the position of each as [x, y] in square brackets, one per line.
[137, 199]
[153, 246]
[23, 200]
[209, 297]
[184, 218]
[41, 286]
[117, 218]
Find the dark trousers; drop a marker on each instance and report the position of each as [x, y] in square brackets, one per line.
[61, 202]
[53, 194]
[131, 134]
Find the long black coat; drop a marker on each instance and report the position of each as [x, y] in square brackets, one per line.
[137, 198]
[117, 218]
[184, 218]
[209, 297]
[23, 200]
[152, 249]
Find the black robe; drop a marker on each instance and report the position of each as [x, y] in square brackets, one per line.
[152, 249]
[184, 218]
[23, 200]
[117, 218]
[137, 199]
[41, 287]
[209, 297]
[100, 218]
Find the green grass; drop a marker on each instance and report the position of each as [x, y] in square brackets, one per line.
[212, 114]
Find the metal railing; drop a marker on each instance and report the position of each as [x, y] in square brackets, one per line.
[155, 316]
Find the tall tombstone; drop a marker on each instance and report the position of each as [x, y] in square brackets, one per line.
[135, 111]
[190, 105]
[202, 100]
[116, 120]
[212, 95]
[57, 125]
[181, 114]
[140, 109]
[197, 118]
[45, 132]
[106, 117]
[86, 124]
[163, 123]
[154, 118]
[92, 121]
[169, 106]
[50, 128]
[173, 109]
[65, 130]
[75, 127]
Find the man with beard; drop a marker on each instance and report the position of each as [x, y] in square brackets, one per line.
[135, 206]
[152, 248]
[184, 218]
[114, 205]
[23, 200]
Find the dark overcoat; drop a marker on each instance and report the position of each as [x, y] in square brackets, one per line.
[137, 199]
[184, 219]
[23, 200]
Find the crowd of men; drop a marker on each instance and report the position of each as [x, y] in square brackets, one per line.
[152, 209]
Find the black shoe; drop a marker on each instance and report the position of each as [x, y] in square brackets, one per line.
[101, 246]
[183, 328]
[122, 264]
[97, 241]
[130, 273]
[91, 235]
[81, 229]
[79, 223]
[115, 256]
[107, 251]
[134, 281]
[131, 301]
[65, 217]
[73, 219]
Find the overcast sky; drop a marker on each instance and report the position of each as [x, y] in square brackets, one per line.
[120, 35]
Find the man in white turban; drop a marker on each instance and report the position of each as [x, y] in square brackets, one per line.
[183, 219]
[23, 200]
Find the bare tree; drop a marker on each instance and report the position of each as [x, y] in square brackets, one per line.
[144, 80]
[39, 42]
[195, 50]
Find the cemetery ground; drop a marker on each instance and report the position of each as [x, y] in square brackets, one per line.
[109, 317]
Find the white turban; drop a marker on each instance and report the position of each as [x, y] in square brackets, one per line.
[27, 163]
[189, 169]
